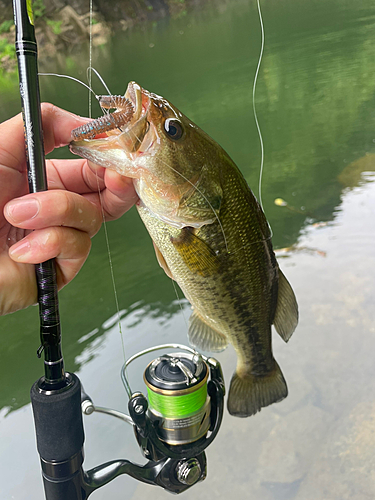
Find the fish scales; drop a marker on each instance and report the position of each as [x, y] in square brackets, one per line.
[211, 236]
[224, 296]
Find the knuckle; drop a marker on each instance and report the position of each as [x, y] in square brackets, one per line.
[64, 206]
[53, 240]
[76, 243]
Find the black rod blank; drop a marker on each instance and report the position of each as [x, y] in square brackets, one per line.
[26, 49]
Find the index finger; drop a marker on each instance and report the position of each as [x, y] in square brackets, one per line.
[57, 127]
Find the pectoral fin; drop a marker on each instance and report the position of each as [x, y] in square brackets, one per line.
[204, 337]
[286, 315]
[162, 262]
[197, 255]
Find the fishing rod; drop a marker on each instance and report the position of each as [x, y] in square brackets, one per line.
[183, 412]
[26, 50]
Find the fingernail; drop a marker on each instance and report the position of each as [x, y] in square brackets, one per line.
[22, 210]
[20, 250]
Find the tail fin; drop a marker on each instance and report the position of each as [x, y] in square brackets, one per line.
[248, 394]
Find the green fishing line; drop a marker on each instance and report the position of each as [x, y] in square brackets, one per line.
[178, 406]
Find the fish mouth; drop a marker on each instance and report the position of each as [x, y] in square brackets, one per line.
[128, 128]
[134, 94]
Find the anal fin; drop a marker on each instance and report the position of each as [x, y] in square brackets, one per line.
[286, 315]
[204, 337]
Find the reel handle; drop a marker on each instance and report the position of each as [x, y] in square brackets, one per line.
[173, 475]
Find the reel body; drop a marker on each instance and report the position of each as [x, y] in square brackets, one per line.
[173, 427]
[183, 436]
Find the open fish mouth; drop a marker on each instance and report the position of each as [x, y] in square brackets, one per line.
[127, 127]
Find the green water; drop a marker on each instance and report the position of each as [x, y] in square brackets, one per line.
[315, 101]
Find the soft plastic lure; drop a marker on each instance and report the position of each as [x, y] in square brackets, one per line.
[123, 115]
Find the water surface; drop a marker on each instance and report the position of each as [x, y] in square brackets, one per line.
[315, 101]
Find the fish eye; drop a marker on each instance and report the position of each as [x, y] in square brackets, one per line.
[173, 128]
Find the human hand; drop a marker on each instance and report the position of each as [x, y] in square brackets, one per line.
[57, 223]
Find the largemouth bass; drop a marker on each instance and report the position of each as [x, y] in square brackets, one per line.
[210, 235]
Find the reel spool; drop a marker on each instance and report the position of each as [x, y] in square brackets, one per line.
[177, 397]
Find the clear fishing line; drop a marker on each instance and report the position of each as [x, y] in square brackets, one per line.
[255, 112]
[89, 72]
[71, 78]
[89, 75]
[90, 57]
[179, 302]
[254, 106]
[91, 69]
[111, 269]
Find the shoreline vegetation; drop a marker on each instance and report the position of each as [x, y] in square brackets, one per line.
[62, 27]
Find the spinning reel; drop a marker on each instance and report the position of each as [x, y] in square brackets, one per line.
[176, 423]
